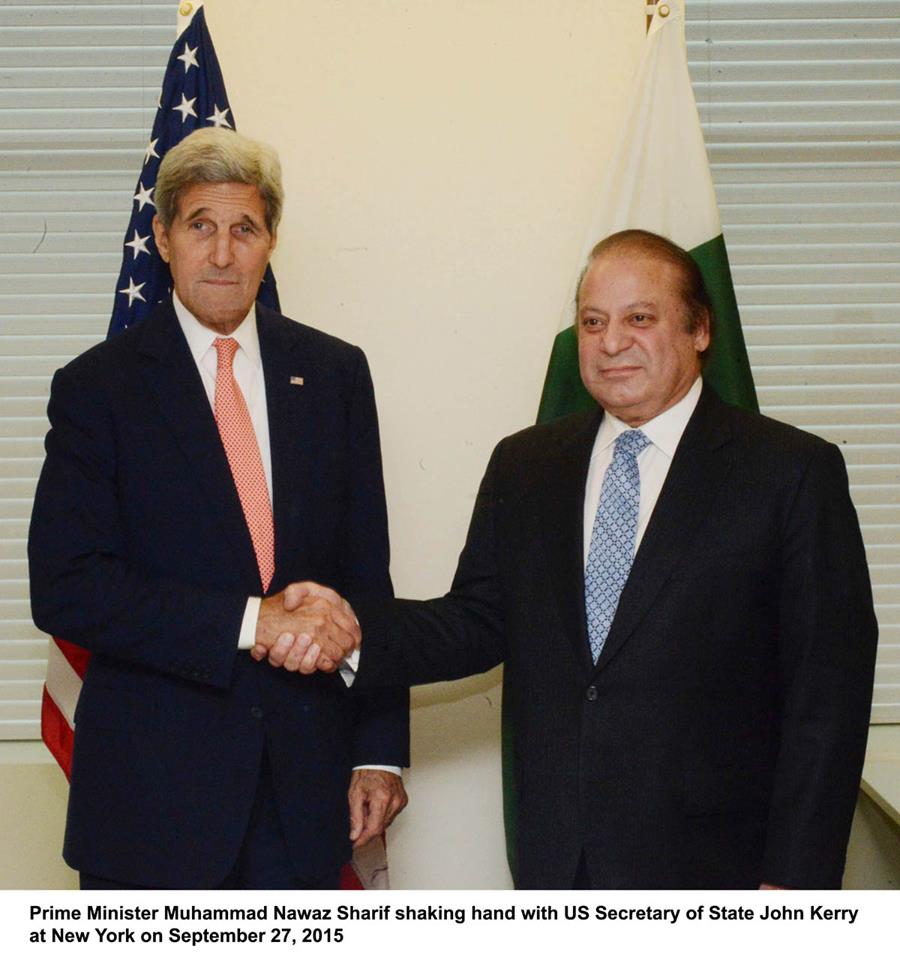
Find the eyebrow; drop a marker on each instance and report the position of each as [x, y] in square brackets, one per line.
[246, 218]
[636, 305]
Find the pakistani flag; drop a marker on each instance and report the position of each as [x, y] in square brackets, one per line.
[659, 180]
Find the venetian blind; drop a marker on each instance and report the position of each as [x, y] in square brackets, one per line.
[78, 89]
[800, 104]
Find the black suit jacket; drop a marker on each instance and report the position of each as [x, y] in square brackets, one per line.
[719, 739]
[139, 551]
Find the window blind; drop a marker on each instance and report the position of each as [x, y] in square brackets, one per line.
[78, 90]
[800, 105]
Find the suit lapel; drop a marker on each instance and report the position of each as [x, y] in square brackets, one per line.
[174, 383]
[564, 528]
[699, 467]
[290, 430]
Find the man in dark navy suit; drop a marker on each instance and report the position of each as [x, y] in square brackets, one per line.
[196, 464]
[679, 592]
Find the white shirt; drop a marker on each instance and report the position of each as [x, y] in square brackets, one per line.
[248, 373]
[664, 433]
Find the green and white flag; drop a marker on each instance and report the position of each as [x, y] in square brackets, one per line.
[659, 180]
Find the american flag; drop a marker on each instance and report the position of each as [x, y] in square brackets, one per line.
[193, 95]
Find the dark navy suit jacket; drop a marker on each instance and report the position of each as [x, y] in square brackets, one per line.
[718, 740]
[139, 552]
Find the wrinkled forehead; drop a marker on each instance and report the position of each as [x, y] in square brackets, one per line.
[226, 200]
[648, 277]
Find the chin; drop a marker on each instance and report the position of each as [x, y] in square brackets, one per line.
[613, 400]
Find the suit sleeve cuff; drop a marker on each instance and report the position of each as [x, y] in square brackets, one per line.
[247, 636]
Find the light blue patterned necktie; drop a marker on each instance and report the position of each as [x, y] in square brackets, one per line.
[612, 540]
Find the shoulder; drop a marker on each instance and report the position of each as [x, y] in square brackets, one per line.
[313, 342]
[767, 451]
[111, 361]
[560, 430]
[762, 435]
[569, 436]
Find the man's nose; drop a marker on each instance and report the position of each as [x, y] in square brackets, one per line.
[616, 337]
[221, 254]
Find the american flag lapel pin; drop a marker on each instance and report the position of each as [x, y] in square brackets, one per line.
[297, 381]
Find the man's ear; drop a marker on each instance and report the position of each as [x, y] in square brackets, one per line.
[703, 333]
[161, 237]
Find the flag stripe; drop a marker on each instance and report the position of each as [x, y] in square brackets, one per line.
[76, 657]
[728, 369]
[57, 733]
[563, 390]
[64, 676]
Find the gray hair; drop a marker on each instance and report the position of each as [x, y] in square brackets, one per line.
[218, 155]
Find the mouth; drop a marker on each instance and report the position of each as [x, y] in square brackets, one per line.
[618, 373]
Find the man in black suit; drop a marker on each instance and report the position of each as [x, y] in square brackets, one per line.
[680, 595]
[195, 465]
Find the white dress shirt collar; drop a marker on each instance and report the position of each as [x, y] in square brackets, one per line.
[663, 431]
[200, 339]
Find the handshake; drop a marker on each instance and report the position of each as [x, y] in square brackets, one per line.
[306, 627]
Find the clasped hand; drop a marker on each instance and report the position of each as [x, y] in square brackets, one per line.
[306, 627]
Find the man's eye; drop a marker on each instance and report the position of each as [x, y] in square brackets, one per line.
[640, 318]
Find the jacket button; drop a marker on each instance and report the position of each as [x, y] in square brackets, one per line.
[591, 693]
[256, 713]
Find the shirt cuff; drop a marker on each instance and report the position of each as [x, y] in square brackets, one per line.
[378, 766]
[349, 666]
[247, 636]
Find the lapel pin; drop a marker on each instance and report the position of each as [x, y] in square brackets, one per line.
[297, 381]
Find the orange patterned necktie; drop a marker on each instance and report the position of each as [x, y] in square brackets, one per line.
[242, 450]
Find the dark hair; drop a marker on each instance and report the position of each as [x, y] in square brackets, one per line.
[698, 306]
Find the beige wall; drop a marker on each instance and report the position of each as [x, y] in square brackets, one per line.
[439, 158]
[873, 856]
[33, 794]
